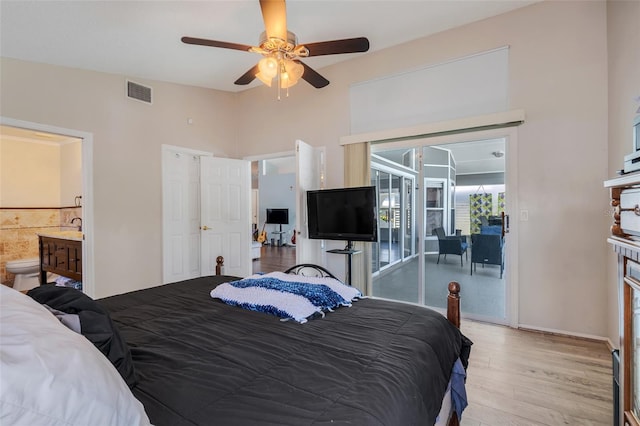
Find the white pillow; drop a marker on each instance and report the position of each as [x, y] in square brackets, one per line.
[50, 375]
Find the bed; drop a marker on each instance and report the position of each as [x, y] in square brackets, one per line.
[190, 359]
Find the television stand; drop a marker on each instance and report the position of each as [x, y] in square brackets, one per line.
[280, 233]
[349, 251]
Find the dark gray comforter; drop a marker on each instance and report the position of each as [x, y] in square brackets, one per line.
[202, 362]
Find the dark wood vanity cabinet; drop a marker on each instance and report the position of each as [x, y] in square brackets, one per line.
[60, 256]
[625, 239]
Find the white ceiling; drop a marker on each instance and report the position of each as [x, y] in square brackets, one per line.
[478, 156]
[142, 38]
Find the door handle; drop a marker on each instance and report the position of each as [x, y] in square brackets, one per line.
[505, 223]
[635, 210]
[205, 228]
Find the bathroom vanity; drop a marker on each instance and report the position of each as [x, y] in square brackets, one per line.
[61, 253]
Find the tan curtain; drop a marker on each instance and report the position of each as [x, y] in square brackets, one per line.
[357, 172]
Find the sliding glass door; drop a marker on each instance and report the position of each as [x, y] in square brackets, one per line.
[396, 228]
[461, 184]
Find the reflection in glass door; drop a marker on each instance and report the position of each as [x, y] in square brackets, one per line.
[375, 246]
[395, 219]
[384, 217]
[408, 226]
[434, 201]
[434, 212]
[396, 227]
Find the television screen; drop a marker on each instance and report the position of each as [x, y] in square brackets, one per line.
[278, 216]
[347, 214]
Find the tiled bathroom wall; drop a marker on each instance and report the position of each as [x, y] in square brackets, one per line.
[19, 230]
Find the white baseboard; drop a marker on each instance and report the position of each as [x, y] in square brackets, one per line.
[568, 333]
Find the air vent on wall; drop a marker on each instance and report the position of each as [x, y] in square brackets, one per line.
[139, 92]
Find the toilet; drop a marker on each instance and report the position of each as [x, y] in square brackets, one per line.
[27, 272]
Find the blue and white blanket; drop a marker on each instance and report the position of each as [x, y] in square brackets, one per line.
[287, 296]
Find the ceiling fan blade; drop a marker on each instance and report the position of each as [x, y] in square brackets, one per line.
[274, 14]
[215, 43]
[333, 47]
[248, 76]
[312, 77]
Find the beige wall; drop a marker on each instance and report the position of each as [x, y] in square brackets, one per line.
[39, 174]
[29, 174]
[558, 75]
[624, 86]
[127, 139]
[70, 172]
[36, 174]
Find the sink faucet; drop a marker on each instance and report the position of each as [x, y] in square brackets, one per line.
[80, 219]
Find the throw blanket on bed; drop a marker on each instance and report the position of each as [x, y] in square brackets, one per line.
[287, 296]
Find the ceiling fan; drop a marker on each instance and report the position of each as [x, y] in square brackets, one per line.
[281, 52]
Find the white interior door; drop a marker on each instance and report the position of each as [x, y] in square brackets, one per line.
[225, 215]
[181, 215]
[309, 173]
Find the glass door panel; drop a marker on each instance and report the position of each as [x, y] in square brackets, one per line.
[395, 219]
[449, 198]
[452, 208]
[384, 218]
[434, 217]
[375, 246]
[408, 225]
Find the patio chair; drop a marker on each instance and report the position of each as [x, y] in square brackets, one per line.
[451, 244]
[487, 249]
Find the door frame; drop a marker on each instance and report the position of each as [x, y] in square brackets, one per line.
[294, 154]
[261, 157]
[88, 259]
[510, 135]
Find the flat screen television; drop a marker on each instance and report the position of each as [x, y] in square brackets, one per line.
[348, 214]
[278, 216]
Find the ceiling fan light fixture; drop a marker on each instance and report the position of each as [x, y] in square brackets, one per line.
[281, 52]
[266, 80]
[294, 70]
[290, 73]
[285, 81]
[268, 67]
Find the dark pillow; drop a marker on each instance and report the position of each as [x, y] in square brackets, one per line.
[95, 323]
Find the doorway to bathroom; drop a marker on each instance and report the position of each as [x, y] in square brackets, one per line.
[45, 180]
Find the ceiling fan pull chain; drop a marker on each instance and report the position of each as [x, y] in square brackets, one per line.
[279, 80]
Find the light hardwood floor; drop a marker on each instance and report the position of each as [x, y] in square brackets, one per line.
[518, 377]
[273, 258]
